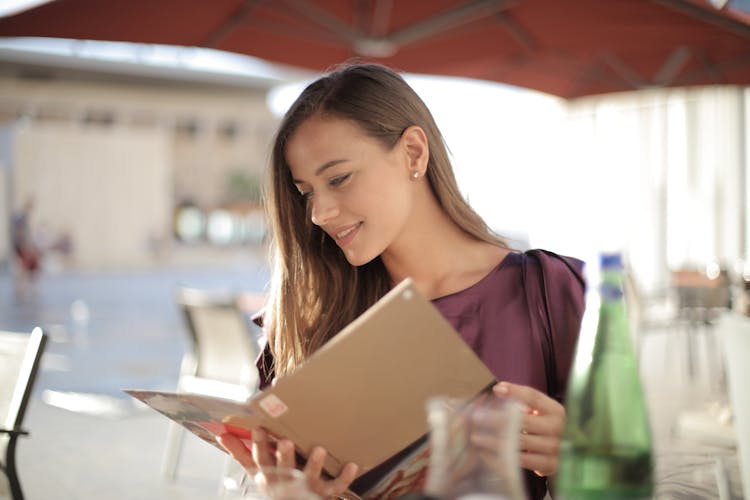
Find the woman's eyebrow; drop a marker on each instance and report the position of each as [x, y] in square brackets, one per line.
[328, 165]
[323, 168]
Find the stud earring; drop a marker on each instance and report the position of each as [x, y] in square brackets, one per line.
[415, 175]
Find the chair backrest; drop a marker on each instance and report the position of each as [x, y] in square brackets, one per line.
[20, 355]
[734, 332]
[633, 300]
[695, 289]
[224, 341]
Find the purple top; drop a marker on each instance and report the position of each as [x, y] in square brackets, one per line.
[510, 330]
[522, 320]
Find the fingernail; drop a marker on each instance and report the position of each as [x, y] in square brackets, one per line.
[501, 388]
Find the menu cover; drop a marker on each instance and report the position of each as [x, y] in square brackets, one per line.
[361, 396]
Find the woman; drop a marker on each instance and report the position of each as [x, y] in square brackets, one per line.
[362, 195]
[28, 253]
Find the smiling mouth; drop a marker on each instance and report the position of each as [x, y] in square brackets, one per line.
[347, 232]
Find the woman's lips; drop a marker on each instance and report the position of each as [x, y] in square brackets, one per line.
[344, 236]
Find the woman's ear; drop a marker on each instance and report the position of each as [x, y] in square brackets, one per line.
[417, 149]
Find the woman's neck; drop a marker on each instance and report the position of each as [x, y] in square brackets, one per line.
[439, 256]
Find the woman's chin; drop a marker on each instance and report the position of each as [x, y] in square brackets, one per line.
[357, 259]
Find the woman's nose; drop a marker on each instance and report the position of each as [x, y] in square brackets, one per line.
[324, 209]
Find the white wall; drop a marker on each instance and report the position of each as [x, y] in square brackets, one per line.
[109, 160]
[664, 169]
[659, 174]
[6, 152]
[4, 217]
[110, 188]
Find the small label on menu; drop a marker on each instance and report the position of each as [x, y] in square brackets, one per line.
[274, 406]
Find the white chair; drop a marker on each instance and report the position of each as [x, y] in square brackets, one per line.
[701, 299]
[734, 333]
[221, 359]
[649, 312]
[20, 355]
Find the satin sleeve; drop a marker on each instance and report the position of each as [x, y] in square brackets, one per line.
[264, 361]
[561, 298]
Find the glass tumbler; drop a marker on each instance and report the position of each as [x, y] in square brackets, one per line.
[268, 483]
[474, 449]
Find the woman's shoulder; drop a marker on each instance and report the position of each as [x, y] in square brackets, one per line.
[550, 266]
[555, 266]
[554, 279]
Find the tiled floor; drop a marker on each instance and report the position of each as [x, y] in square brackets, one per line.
[111, 331]
[691, 459]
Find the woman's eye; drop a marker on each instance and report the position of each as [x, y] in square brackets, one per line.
[339, 180]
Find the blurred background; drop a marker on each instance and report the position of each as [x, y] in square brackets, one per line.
[134, 138]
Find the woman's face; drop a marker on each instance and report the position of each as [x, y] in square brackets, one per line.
[356, 189]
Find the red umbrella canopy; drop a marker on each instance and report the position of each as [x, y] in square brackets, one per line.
[568, 48]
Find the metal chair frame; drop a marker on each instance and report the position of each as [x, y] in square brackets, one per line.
[22, 353]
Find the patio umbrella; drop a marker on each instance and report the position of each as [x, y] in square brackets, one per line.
[567, 48]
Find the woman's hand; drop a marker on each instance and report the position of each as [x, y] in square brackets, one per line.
[541, 427]
[265, 454]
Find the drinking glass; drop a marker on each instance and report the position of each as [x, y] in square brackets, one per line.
[474, 448]
[268, 483]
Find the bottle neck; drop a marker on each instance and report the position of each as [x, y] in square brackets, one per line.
[614, 328]
[611, 286]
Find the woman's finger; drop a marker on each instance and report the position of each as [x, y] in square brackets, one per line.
[237, 450]
[262, 453]
[542, 465]
[487, 441]
[285, 454]
[313, 471]
[314, 466]
[341, 483]
[542, 425]
[542, 445]
[533, 398]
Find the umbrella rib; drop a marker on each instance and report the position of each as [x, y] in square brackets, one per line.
[461, 15]
[237, 18]
[324, 19]
[710, 68]
[625, 72]
[516, 31]
[588, 77]
[303, 33]
[717, 19]
[672, 66]
[360, 14]
[716, 71]
[381, 17]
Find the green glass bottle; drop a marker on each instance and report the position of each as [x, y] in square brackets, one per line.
[606, 451]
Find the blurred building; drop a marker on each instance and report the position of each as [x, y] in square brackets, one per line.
[134, 163]
[128, 164]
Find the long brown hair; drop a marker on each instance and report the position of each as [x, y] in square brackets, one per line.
[315, 292]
